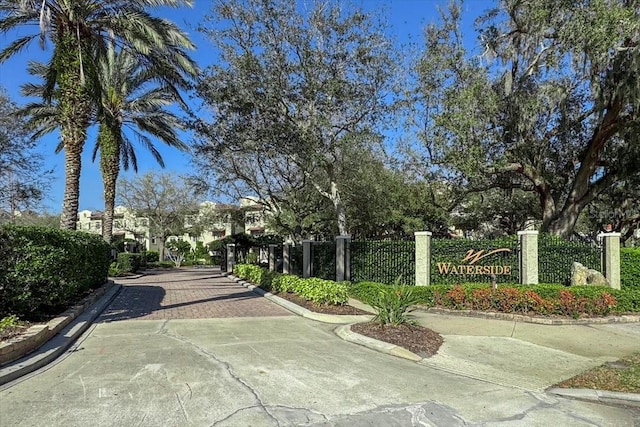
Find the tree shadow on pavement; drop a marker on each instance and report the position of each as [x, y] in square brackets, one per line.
[141, 300]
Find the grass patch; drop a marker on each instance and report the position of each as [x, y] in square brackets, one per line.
[621, 376]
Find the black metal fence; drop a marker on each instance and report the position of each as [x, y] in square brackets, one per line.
[324, 260]
[556, 256]
[383, 261]
[295, 260]
[278, 256]
[452, 260]
[470, 261]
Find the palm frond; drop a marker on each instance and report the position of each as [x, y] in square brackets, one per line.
[15, 47]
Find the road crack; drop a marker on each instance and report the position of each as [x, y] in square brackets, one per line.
[227, 367]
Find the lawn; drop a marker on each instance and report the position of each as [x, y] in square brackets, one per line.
[621, 376]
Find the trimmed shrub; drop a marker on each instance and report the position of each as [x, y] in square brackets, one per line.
[161, 264]
[630, 267]
[42, 270]
[322, 291]
[366, 291]
[627, 300]
[152, 256]
[313, 289]
[257, 275]
[540, 299]
[129, 262]
[284, 283]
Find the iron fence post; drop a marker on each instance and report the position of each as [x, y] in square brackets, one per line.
[286, 257]
[342, 258]
[272, 257]
[307, 258]
[231, 257]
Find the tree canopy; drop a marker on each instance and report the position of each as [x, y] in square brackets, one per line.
[551, 107]
[23, 177]
[166, 200]
[296, 96]
[80, 32]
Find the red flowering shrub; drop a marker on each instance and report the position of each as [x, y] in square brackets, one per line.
[534, 303]
[456, 297]
[603, 304]
[481, 299]
[506, 300]
[574, 302]
[566, 303]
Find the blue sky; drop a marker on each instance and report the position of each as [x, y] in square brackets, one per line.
[407, 19]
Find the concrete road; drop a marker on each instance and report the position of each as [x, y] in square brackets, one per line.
[264, 371]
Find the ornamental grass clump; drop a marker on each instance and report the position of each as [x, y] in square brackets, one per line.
[392, 304]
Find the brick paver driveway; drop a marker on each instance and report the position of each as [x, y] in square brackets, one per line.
[194, 293]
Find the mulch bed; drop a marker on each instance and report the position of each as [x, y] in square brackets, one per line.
[321, 308]
[417, 339]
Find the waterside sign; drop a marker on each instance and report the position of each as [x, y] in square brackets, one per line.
[469, 264]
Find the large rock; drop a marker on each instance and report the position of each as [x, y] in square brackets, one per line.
[581, 276]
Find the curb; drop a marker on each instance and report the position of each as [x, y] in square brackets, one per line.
[301, 311]
[602, 396]
[345, 332]
[628, 318]
[136, 276]
[60, 342]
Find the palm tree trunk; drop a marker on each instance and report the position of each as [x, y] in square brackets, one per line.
[72, 165]
[75, 110]
[110, 168]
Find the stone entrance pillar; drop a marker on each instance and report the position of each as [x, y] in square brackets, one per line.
[423, 258]
[611, 258]
[528, 257]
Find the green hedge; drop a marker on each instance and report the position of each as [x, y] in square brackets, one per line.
[43, 270]
[539, 299]
[313, 289]
[630, 267]
[152, 256]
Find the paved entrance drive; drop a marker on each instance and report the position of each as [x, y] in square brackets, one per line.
[141, 365]
[197, 293]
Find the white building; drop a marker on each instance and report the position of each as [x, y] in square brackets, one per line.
[214, 221]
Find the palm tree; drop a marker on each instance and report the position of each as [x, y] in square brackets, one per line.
[80, 31]
[130, 97]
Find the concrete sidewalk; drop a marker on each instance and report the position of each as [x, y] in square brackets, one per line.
[525, 355]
